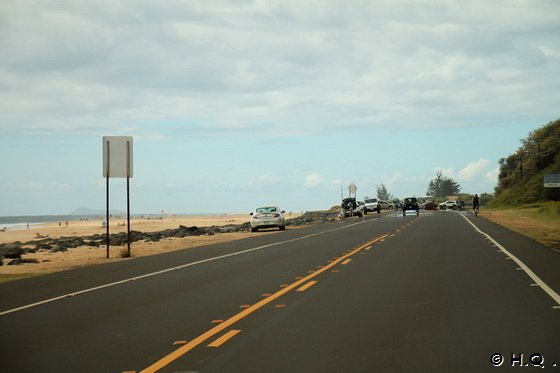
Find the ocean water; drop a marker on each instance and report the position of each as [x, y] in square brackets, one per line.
[20, 222]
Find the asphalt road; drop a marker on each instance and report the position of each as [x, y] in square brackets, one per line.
[443, 291]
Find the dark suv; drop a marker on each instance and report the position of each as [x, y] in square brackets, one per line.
[410, 204]
[350, 207]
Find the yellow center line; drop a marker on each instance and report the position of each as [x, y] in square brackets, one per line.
[166, 360]
[346, 262]
[224, 338]
[307, 286]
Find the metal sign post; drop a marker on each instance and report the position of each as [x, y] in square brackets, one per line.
[117, 162]
[128, 144]
[108, 168]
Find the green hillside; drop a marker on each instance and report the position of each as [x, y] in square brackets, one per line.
[521, 177]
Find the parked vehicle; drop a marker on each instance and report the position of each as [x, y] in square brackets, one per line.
[448, 205]
[385, 205]
[350, 207]
[371, 204]
[430, 205]
[410, 204]
[267, 217]
[362, 207]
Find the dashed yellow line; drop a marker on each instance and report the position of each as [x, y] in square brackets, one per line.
[166, 360]
[307, 286]
[224, 338]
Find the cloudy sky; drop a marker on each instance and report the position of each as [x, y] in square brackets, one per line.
[234, 104]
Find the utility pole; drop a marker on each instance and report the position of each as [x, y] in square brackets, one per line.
[521, 165]
[539, 156]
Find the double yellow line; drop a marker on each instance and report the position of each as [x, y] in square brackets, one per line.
[248, 311]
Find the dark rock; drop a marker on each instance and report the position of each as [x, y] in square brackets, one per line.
[65, 244]
[78, 242]
[136, 236]
[15, 262]
[43, 246]
[313, 217]
[29, 260]
[13, 252]
[116, 241]
[230, 229]
[56, 249]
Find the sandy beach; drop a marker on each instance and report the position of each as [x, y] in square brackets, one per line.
[86, 255]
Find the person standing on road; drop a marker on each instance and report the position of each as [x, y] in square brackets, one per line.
[476, 204]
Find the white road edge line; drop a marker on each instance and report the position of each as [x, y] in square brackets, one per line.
[554, 295]
[21, 308]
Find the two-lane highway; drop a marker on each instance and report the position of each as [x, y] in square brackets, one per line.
[426, 293]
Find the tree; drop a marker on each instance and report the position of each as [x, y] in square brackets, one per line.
[442, 186]
[485, 198]
[383, 194]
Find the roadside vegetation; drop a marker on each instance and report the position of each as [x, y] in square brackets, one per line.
[540, 223]
[521, 202]
[521, 177]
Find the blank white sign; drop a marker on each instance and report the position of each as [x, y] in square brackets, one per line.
[117, 156]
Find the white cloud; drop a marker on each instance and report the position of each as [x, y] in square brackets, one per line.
[448, 172]
[274, 67]
[313, 180]
[473, 170]
[491, 176]
[337, 182]
[260, 181]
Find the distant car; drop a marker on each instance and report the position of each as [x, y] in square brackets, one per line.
[361, 207]
[448, 205]
[351, 207]
[410, 204]
[385, 205]
[372, 204]
[430, 205]
[267, 217]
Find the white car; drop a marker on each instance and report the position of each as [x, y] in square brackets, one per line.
[372, 204]
[448, 205]
[267, 217]
[385, 205]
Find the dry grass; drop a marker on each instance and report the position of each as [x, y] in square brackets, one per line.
[541, 224]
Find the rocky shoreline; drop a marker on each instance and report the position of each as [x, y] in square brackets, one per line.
[11, 253]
